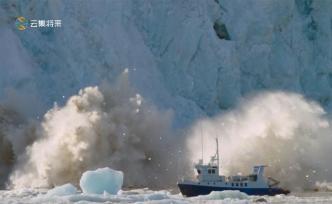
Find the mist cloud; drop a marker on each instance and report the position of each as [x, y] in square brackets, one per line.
[285, 131]
[113, 125]
[110, 125]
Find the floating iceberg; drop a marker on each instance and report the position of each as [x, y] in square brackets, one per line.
[66, 189]
[101, 180]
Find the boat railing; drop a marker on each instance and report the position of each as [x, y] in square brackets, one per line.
[237, 178]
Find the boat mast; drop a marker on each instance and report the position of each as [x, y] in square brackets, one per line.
[202, 143]
[217, 153]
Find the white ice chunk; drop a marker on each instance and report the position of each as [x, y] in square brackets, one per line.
[221, 195]
[101, 180]
[64, 190]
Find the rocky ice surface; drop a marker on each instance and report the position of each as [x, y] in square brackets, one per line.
[196, 57]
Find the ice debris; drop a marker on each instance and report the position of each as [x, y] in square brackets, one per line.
[64, 190]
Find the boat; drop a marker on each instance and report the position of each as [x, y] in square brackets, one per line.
[208, 180]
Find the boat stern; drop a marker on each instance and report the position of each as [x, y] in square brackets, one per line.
[278, 191]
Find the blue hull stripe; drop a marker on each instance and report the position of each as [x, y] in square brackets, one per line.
[195, 190]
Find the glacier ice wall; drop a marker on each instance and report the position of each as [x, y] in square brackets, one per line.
[178, 59]
[195, 57]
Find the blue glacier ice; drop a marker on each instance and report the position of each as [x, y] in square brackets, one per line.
[101, 180]
[175, 57]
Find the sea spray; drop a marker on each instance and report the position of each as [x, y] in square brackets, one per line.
[111, 125]
[285, 131]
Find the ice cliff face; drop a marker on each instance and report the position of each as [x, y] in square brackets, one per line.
[196, 57]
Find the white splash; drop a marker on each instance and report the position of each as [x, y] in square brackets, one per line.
[100, 127]
[282, 130]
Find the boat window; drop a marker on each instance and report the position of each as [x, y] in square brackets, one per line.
[198, 171]
[241, 184]
[209, 171]
[213, 171]
[236, 184]
[232, 184]
[245, 184]
[252, 177]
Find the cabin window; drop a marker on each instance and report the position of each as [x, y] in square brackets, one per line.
[236, 184]
[245, 184]
[241, 184]
[209, 171]
[213, 171]
[232, 184]
[226, 183]
[253, 177]
[198, 171]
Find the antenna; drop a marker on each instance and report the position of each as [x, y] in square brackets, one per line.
[217, 153]
[200, 124]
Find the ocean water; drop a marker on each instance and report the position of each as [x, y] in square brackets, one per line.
[162, 196]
